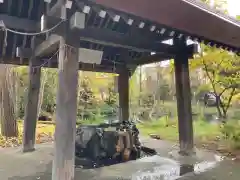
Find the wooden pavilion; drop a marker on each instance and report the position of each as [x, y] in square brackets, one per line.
[106, 36]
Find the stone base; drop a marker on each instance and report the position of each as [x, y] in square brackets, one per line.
[184, 157]
[26, 150]
[187, 153]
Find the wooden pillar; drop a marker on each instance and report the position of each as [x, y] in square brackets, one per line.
[31, 108]
[183, 93]
[66, 105]
[123, 90]
[66, 114]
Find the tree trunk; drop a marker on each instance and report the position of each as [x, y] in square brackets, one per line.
[41, 93]
[218, 105]
[140, 86]
[8, 97]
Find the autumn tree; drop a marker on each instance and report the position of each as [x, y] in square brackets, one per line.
[222, 68]
[8, 101]
[111, 98]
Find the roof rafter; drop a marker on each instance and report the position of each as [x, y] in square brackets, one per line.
[54, 64]
[13, 22]
[48, 46]
[184, 16]
[115, 39]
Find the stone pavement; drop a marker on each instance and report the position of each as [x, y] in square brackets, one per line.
[14, 165]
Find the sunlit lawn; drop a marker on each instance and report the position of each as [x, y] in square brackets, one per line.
[204, 131]
[44, 132]
[49, 127]
[41, 128]
[168, 129]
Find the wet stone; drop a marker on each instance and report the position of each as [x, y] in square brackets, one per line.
[207, 167]
[96, 146]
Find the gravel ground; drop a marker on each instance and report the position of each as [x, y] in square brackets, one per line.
[168, 165]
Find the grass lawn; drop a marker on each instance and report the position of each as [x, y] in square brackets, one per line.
[206, 135]
[168, 129]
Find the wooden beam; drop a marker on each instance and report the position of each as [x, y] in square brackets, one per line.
[183, 93]
[123, 90]
[31, 109]
[81, 66]
[12, 22]
[151, 59]
[193, 49]
[201, 22]
[139, 41]
[132, 70]
[105, 66]
[58, 9]
[99, 68]
[48, 46]
[147, 59]
[108, 37]
[23, 53]
[115, 39]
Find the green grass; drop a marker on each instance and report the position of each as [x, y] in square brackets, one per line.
[203, 131]
[90, 121]
[233, 113]
[168, 129]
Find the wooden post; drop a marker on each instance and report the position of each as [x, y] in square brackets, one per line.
[66, 113]
[183, 93]
[123, 90]
[66, 105]
[31, 109]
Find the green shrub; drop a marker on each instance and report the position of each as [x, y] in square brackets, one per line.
[236, 115]
[231, 131]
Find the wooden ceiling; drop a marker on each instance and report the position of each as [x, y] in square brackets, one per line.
[189, 16]
[125, 30]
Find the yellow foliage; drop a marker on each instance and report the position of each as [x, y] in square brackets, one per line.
[44, 133]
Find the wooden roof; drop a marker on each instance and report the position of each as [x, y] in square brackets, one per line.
[188, 16]
[127, 31]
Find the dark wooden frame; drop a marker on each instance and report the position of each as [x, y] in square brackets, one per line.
[125, 46]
